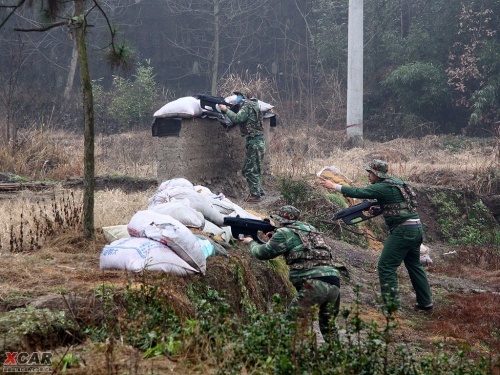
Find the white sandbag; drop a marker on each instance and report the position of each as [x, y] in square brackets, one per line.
[207, 247]
[263, 106]
[115, 232]
[137, 254]
[238, 211]
[425, 258]
[219, 201]
[196, 200]
[204, 190]
[180, 212]
[224, 207]
[170, 232]
[223, 232]
[176, 182]
[185, 107]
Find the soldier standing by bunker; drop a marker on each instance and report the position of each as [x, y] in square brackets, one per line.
[250, 120]
[310, 260]
[405, 231]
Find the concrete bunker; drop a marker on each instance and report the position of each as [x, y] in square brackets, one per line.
[203, 151]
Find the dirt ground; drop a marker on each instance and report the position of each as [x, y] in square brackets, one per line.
[67, 269]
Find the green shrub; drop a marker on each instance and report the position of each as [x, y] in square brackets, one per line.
[420, 89]
[130, 102]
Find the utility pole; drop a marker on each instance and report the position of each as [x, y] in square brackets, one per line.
[355, 74]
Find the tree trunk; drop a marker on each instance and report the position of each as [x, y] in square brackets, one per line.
[215, 67]
[72, 70]
[355, 74]
[88, 109]
[405, 19]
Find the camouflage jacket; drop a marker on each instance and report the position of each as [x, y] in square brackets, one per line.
[248, 117]
[388, 195]
[304, 249]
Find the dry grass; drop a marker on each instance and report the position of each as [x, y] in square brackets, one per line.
[47, 154]
[115, 207]
[472, 319]
[295, 150]
[67, 263]
[261, 88]
[440, 160]
[131, 154]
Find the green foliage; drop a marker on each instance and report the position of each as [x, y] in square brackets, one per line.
[474, 64]
[337, 199]
[294, 192]
[468, 228]
[129, 103]
[26, 321]
[150, 319]
[420, 89]
[273, 342]
[67, 361]
[486, 103]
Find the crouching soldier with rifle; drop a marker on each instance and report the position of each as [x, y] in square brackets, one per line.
[311, 266]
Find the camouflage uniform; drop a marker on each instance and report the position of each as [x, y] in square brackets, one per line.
[311, 268]
[250, 120]
[405, 234]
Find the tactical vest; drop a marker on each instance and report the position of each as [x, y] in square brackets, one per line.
[254, 125]
[409, 206]
[315, 251]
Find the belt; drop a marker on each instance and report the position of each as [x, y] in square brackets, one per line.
[414, 222]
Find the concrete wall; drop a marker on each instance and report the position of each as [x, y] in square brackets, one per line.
[207, 154]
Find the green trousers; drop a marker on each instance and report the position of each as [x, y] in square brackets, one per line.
[403, 245]
[327, 296]
[252, 168]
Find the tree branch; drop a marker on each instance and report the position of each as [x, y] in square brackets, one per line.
[14, 8]
[40, 29]
[112, 43]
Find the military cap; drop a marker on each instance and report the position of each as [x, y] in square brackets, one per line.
[286, 214]
[379, 167]
[245, 91]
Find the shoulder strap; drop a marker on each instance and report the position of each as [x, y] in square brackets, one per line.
[408, 193]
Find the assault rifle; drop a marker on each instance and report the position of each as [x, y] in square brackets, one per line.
[356, 214]
[210, 103]
[248, 227]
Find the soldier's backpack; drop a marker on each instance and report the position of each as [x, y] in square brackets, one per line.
[408, 193]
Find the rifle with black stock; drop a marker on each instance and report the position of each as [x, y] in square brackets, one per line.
[211, 103]
[248, 227]
[359, 212]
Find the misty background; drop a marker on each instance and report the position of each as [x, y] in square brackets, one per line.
[429, 66]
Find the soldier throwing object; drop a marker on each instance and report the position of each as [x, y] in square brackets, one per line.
[405, 231]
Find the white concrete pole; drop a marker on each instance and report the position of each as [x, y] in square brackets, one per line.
[355, 74]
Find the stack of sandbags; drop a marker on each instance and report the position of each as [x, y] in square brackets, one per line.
[168, 231]
[196, 201]
[189, 107]
[186, 107]
[181, 211]
[115, 232]
[138, 254]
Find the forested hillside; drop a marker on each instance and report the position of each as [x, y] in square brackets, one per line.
[429, 66]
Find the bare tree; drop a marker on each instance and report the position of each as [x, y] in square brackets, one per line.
[216, 34]
[77, 24]
[9, 89]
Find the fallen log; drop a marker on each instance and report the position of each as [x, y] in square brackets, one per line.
[16, 186]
